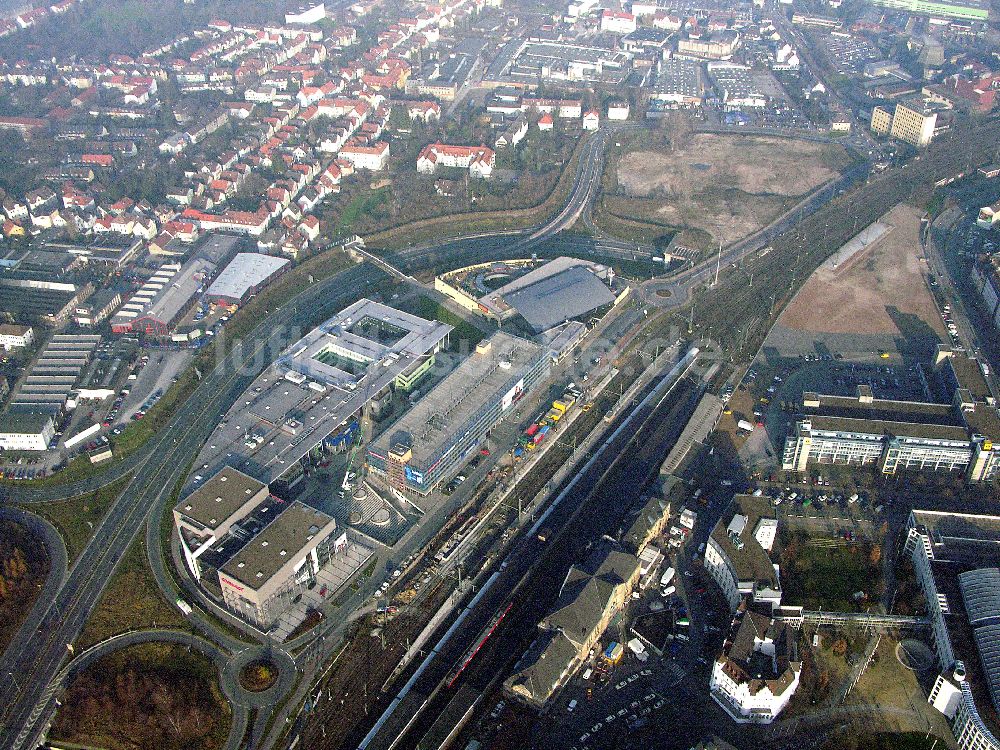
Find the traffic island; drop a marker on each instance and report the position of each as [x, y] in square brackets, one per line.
[258, 675]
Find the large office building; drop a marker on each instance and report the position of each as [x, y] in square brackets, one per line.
[954, 557]
[320, 384]
[434, 439]
[359, 342]
[966, 10]
[903, 435]
[245, 275]
[262, 552]
[912, 121]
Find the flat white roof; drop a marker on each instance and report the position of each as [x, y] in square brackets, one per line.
[244, 272]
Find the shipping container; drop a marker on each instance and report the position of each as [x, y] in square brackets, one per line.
[531, 430]
[559, 406]
[545, 429]
[745, 425]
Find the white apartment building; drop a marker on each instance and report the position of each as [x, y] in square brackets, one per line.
[13, 336]
[755, 676]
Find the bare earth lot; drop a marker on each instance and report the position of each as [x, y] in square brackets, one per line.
[880, 290]
[726, 185]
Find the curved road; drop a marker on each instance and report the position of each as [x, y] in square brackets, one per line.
[162, 462]
[240, 700]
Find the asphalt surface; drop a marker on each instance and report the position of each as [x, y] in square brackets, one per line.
[41, 654]
[160, 464]
[163, 461]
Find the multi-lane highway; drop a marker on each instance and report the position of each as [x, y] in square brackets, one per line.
[163, 462]
[39, 657]
[159, 465]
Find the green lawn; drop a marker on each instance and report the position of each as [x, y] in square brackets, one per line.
[820, 577]
[425, 307]
[78, 517]
[131, 601]
[363, 204]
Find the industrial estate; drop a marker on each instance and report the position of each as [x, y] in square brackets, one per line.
[482, 374]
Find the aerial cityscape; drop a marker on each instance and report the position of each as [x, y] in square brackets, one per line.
[495, 374]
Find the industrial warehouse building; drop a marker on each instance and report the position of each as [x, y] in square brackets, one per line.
[263, 551]
[50, 383]
[161, 302]
[431, 441]
[245, 275]
[25, 432]
[899, 435]
[969, 10]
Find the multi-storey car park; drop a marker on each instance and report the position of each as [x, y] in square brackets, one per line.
[437, 436]
[320, 384]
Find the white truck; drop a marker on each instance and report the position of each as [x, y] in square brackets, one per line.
[745, 425]
[667, 577]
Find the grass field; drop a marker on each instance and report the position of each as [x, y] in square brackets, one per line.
[827, 577]
[131, 601]
[464, 331]
[362, 204]
[77, 517]
[887, 684]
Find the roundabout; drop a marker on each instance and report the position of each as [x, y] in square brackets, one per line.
[258, 675]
